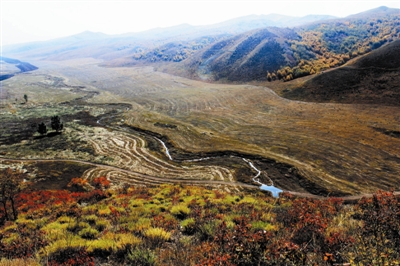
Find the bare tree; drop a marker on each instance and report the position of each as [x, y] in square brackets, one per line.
[11, 183]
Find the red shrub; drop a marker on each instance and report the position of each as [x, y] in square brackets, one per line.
[101, 182]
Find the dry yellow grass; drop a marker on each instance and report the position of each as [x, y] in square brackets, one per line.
[334, 145]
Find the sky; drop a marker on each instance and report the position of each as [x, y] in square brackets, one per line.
[39, 20]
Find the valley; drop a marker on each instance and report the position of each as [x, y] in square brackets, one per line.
[116, 117]
[259, 140]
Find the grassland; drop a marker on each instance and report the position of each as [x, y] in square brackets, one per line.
[305, 147]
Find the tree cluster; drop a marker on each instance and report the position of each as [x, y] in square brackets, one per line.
[327, 45]
[55, 124]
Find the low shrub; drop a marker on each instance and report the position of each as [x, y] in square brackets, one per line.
[71, 256]
[143, 257]
[156, 236]
[188, 226]
[181, 211]
[101, 225]
[91, 219]
[88, 233]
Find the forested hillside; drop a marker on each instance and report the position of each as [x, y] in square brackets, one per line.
[286, 54]
[326, 45]
[372, 78]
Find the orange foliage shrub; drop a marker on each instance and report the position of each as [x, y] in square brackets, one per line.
[101, 182]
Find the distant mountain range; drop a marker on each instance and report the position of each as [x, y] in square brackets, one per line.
[266, 47]
[113, 46]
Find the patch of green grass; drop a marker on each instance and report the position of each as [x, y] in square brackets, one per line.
[157, 235]
[102, 224]
[145, 257]
[88, 233]
[188, 226]
[180, 211]
[140, 226]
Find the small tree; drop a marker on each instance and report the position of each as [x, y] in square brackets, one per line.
[26, 98]
[42, 129]
[11, 183]
[56, 123]
[269, 76]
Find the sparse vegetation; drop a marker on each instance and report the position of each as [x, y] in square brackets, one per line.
[372, 78]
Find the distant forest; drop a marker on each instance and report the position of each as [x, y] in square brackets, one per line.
[326, 45]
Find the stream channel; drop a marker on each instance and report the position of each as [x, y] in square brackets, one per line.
[271, 188]
[274, 190]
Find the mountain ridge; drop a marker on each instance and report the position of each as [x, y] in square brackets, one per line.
[159, 36]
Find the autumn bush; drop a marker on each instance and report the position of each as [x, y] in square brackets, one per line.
[378, 240]
[177, 225]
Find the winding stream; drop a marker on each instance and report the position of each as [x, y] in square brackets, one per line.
[274, 190]
[271, 188]
[165, 148]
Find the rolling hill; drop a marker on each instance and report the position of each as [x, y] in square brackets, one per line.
[373, 78]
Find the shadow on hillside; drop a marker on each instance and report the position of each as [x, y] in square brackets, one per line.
[49, 135]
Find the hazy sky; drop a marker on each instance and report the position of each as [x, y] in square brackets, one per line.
[30, 20]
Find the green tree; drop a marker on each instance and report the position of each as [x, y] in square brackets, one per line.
[56, 123]
[42, 129]
[26, 98]
[11, 183]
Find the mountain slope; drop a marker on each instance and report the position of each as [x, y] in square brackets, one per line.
[373, 78]
[10, 67]
[295, 53]
[244, 57]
